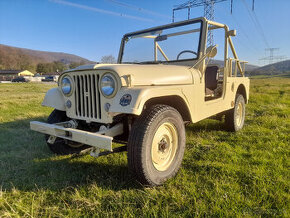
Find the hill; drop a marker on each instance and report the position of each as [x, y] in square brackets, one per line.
[272, 69]
[22, 58]
[249, 67]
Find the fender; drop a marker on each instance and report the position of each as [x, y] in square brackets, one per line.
[235, 83]
[140, 95]
[54, 98]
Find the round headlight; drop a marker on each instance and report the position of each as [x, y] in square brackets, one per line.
[66, 86]
[108, 85]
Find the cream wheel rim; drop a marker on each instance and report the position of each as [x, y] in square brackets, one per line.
[239, 114]
[164, 146]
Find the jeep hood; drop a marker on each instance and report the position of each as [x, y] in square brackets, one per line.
[147, 74]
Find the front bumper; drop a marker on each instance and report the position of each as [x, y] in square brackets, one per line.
[101, 140]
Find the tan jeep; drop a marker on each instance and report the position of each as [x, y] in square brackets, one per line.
[162, 80]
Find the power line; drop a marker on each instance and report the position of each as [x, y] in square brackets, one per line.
[246, 35]
[257, 24]
[271, 58]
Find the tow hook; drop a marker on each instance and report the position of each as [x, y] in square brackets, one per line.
[71, 124]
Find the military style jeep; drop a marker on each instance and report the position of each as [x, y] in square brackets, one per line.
[165, 77]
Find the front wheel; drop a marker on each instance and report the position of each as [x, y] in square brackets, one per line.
[156, 145]
[235, 118]
[62, 146]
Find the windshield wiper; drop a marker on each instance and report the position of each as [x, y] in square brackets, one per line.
[150, 62]
[130, 62]
[143, 62]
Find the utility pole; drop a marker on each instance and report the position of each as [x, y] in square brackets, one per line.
[208, 11]
[209, 14]
[272, 58]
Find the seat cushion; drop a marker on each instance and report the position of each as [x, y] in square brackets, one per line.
[209, 92]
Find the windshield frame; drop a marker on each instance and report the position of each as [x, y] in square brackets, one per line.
[168, 26]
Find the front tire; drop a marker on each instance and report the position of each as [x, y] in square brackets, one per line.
[156, 145]
[62, 146]
[235, 118]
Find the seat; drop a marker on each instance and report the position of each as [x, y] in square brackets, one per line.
[211, 80]
[209, 92]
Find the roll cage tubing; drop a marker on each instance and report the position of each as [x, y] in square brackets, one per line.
[214, 25]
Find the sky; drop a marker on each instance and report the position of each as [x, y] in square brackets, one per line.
[94, 28]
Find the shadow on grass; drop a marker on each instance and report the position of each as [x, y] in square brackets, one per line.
[26, 163]
[207, 125]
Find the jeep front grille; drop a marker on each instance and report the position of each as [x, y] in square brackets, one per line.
[87, 96]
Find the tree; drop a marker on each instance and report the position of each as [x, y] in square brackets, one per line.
[108, 59]
[40, 68]
[44, 68]
[47, 68]
[59, 66]
[76, 64]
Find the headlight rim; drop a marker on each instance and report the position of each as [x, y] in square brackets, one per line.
[72, 85]
[115, 82]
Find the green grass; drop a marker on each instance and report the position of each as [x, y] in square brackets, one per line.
[223, 174]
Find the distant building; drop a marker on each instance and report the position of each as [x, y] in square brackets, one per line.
[11, 74]
[15, 73]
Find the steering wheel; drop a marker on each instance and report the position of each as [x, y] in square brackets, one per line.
[185, 51]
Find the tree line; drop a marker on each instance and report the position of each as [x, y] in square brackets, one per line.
[56, 66]
[13, 60]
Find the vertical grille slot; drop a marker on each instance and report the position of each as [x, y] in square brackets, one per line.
[87, 96]
[99, 96]
[93, 102]
[82, 96]
[77, 94]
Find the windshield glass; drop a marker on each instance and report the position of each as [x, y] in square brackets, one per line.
[171, 43]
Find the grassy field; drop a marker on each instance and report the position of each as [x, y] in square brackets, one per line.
[223, 174]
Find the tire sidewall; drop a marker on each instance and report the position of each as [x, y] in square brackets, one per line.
[239, 99]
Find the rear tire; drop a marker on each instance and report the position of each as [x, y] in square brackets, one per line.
[235, 118]
[62, 146]
[156, 145]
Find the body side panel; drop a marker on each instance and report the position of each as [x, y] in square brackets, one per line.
[209, 108]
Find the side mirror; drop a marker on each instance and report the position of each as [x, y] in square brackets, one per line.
[232, 33]
[211, 51]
